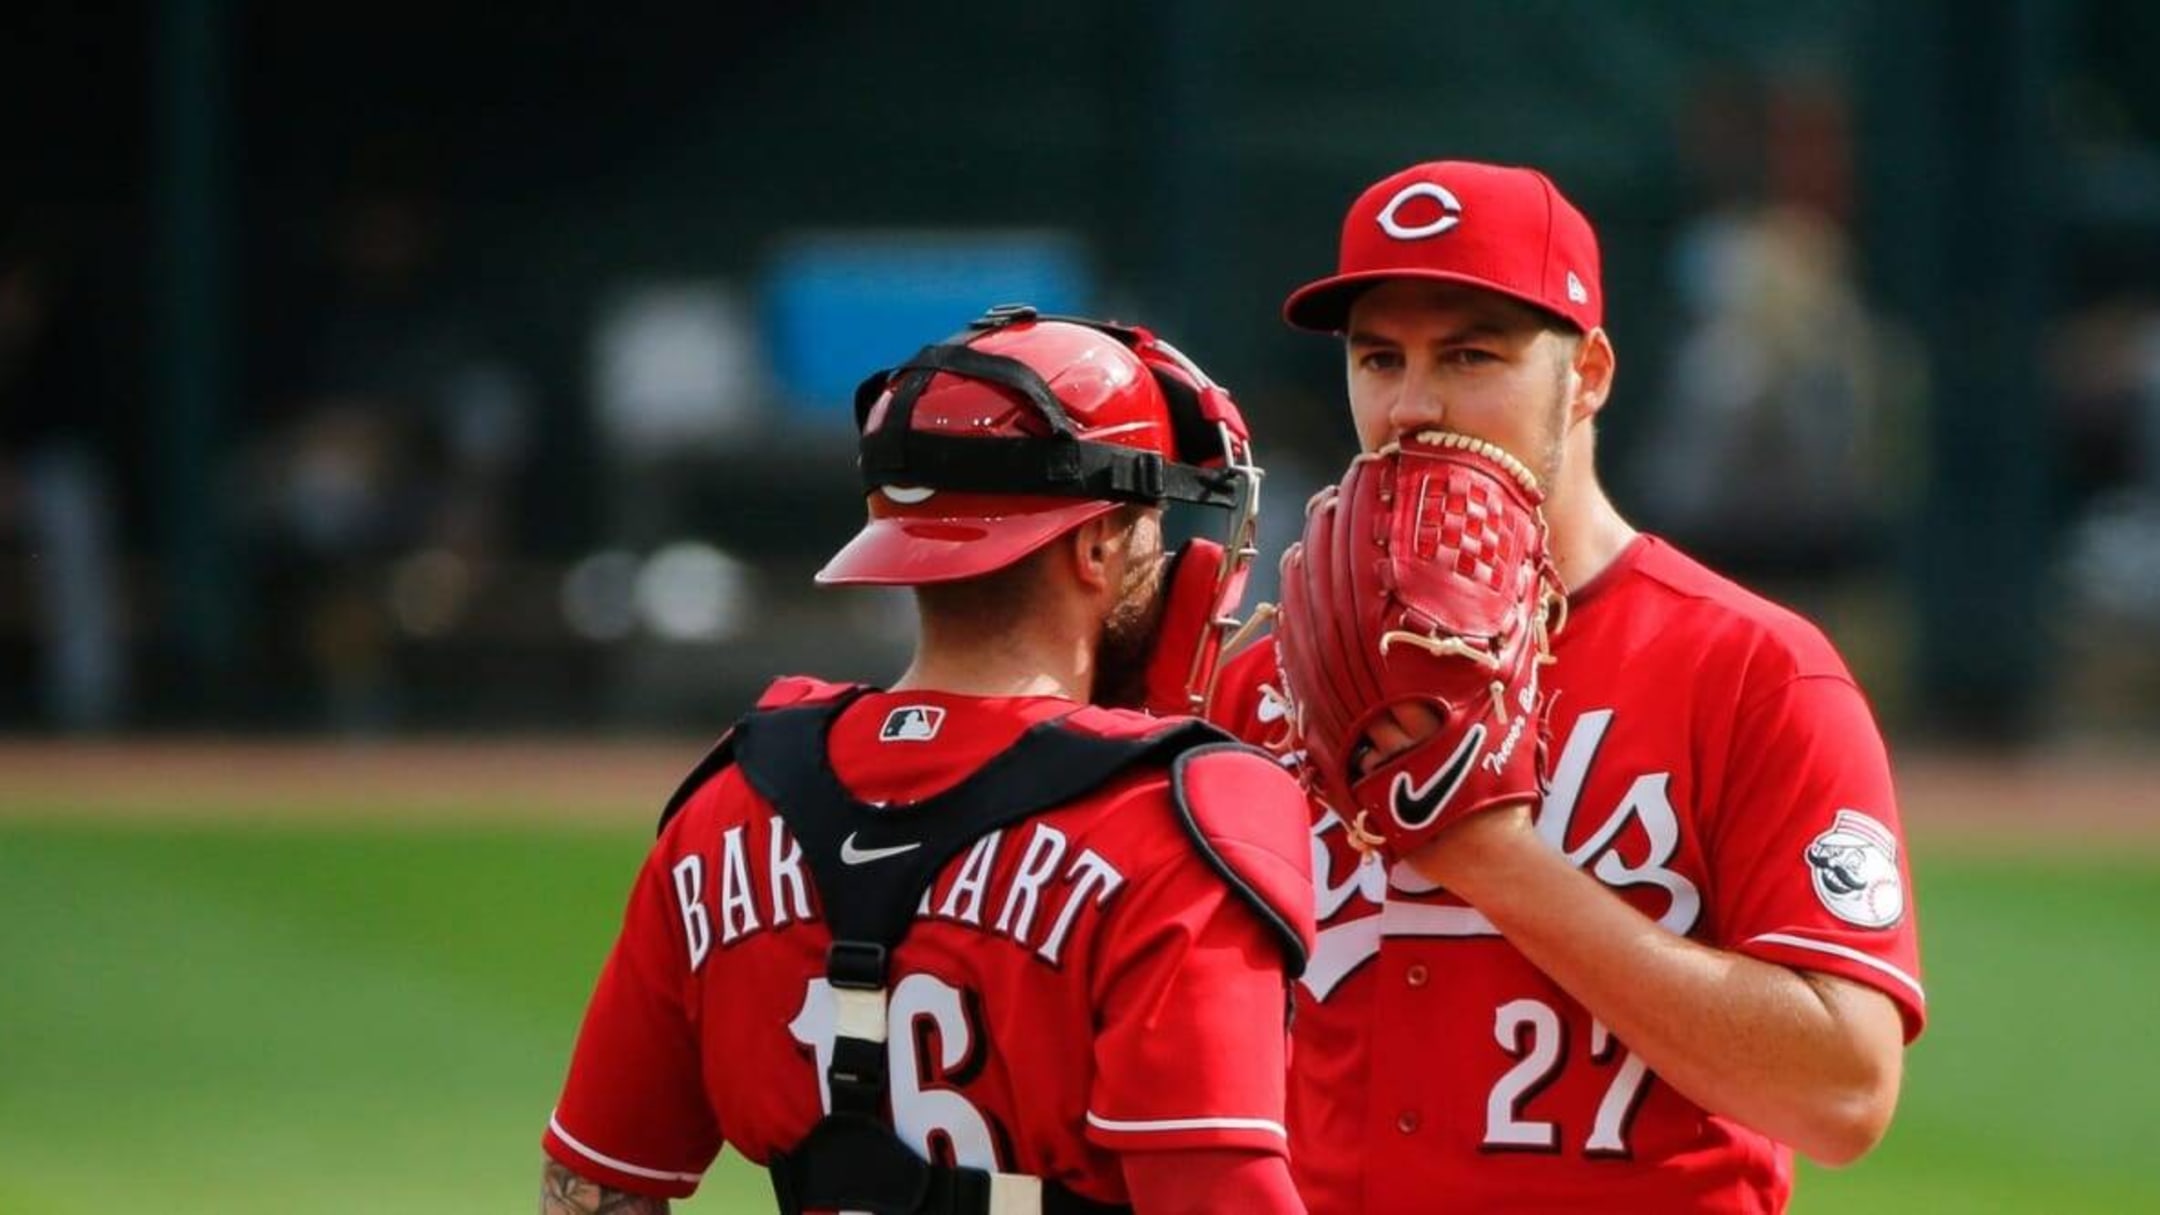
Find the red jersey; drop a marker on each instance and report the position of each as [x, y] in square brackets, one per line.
[1714, 764]
[1076, 985]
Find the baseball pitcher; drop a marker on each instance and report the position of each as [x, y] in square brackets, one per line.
[1615, 910]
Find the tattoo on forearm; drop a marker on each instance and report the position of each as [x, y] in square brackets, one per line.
[563, 1192]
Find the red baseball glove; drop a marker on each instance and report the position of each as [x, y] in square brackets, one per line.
[1422, 581]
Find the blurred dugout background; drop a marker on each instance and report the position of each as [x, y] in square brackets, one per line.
[381, 371]
[382, 368]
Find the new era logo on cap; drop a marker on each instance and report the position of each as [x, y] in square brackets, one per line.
[1504, 229]
[912, 723]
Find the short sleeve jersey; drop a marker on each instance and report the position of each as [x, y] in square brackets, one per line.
[1714, 764]
[1077, 985]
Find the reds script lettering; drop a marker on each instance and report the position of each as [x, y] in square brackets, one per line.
[1354, 914]
[1036, 905]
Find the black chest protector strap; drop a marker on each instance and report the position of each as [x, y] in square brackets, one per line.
[872, 866]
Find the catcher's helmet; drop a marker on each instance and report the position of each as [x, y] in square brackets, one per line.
[985, 447]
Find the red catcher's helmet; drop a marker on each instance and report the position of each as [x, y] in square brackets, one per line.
[984, 448]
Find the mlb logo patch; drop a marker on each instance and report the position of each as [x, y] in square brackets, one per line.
[912, 723]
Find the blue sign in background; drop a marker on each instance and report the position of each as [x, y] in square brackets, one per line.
[839, 307]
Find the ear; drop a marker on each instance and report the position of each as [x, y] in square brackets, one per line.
[1595, 364]
[1097, 549]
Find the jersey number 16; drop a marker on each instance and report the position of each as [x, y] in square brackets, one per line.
[929, 1111]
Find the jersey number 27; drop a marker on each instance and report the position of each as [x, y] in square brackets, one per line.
[1532, 1032]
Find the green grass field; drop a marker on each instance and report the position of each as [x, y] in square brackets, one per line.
[254, 1019]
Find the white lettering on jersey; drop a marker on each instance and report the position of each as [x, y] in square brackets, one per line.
[1092, 871]
[1040, 906]
[689, 874]
[790, 892]
[1340, 949]
[1044, 850]
[738, 914]
[964, 901]
[1647, 801]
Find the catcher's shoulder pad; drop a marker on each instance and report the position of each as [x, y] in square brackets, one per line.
[716, 761]
[785, 692]
[1250, 820]
[1117, 723]
[801, 689]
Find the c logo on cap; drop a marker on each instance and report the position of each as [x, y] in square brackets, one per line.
[1450, 211]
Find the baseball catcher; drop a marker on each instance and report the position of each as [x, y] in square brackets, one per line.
[977, 943]
[1416, 614]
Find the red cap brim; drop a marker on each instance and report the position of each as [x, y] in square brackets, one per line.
[918, 549]
[1323, 305]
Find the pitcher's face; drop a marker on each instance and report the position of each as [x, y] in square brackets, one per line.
[1428, 355]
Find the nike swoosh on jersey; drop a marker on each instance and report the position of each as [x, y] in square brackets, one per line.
[851, 855]
[1416, 805]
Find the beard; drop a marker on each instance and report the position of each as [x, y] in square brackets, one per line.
[1129, 631]
[1546, 463]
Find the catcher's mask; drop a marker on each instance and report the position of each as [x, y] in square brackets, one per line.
[985, 447]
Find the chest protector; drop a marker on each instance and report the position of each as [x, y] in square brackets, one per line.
[852, 1160]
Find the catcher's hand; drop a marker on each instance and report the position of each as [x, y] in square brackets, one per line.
[1422, 593]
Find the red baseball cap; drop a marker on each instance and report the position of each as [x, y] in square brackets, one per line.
[1499, 227]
